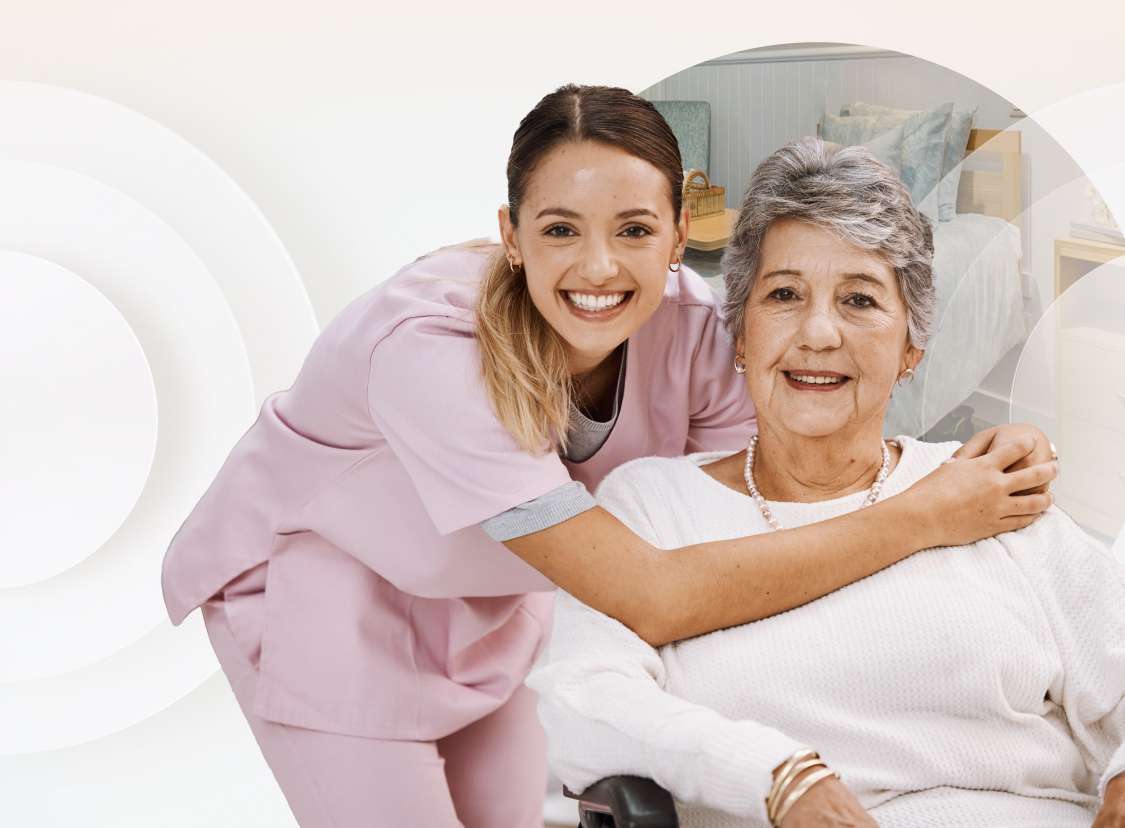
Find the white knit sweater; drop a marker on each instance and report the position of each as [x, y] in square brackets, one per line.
[979, 685]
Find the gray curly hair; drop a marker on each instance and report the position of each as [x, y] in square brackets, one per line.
[845, 190]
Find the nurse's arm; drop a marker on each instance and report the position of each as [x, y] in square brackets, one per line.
[669, 595]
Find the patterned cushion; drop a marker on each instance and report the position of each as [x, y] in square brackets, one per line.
[923, 147]
[956, 139]
[887, 147]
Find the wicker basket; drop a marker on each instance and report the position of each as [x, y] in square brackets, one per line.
[701, 197]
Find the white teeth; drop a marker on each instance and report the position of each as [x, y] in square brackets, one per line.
[811, 380]
[592, 302]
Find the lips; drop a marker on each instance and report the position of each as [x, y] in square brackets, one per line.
[816, 380]
[596, 305]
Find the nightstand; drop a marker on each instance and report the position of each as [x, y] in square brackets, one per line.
[1074, 258]
[707, 237]
[711, 232]
[1091, 399]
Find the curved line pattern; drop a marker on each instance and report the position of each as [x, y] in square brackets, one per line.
[195, 270]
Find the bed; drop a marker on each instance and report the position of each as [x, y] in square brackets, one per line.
[980, 317]
[981, 313]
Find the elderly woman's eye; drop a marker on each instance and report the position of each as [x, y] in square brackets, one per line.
[860, 300]
[558, 231]
[783, 294]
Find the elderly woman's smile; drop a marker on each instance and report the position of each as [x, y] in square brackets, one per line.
[823, 381]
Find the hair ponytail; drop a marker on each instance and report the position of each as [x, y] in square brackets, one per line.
[523, 361]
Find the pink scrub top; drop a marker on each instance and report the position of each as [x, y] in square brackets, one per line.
[388, 612]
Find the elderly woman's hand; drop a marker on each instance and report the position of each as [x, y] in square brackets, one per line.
[1112, 813]
[992, 438]
[828, 804]
[966, 500]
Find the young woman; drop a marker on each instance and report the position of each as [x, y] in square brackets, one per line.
[375, 558]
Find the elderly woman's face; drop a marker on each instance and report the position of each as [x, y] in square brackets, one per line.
[825, 336]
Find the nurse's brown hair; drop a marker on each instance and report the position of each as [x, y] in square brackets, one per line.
[523, 359]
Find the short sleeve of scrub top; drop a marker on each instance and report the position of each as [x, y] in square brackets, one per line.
[584, 437]
[426, 397]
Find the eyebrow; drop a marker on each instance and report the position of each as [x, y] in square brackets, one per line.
[568, 213]
[864, 277]
[849, 277]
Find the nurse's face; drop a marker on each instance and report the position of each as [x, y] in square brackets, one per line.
[595, 234]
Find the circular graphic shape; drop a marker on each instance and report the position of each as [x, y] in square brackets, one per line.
[78, 432]
[1070, 382]
[220, 319]
[203, 385]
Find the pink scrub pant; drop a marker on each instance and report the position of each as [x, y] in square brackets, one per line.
[492, 773]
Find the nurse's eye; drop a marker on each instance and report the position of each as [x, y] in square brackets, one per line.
[558, 231]
[860, 300]
[636, 231]
[783, 294]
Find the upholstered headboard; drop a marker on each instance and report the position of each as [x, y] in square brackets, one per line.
[991, 177]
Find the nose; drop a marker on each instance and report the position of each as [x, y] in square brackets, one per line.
[819, 330]
[597, 264]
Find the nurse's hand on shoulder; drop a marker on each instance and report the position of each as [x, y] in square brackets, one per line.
[967, 499]
[993, 438]
[828, 804]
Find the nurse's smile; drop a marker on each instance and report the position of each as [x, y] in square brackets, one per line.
[596, 306]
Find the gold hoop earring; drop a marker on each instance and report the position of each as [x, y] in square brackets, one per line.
[512, 266]
[906, 375]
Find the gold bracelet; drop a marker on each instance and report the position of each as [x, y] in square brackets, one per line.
[801, 789]
[792, 776]
[782, 778]
[790, 782]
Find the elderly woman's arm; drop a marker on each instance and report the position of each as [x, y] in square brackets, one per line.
[605, 711]
[1081, 587]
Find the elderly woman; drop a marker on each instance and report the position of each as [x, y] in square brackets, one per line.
[978, 686]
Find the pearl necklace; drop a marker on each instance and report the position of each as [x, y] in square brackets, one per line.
[748, 474]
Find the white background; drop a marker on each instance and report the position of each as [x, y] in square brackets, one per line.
[365, 135]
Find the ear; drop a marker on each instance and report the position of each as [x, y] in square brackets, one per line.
[508, 234]
[912, 357]
[682, 228]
